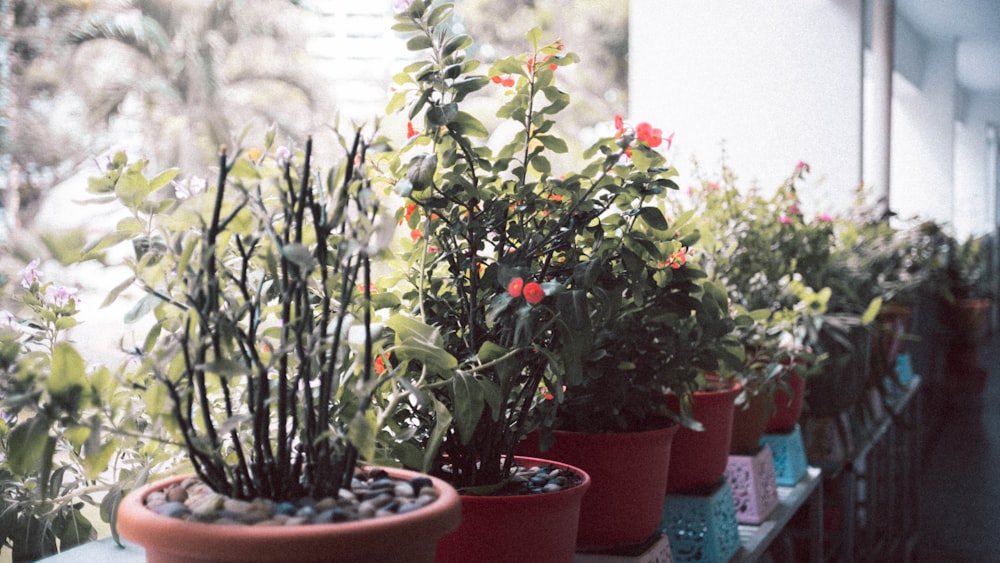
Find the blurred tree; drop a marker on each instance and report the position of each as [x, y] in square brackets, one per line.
[42, 133]
[597, 30]
[186, 72]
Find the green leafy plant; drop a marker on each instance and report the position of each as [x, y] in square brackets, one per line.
[522, 278]
[970, 269]
[766, 254]
[262, 354]
[68, 432]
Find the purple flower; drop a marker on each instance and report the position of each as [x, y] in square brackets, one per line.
[30, 274]
[401, 6]
[60, 296]
[7, 319]
[283, 155]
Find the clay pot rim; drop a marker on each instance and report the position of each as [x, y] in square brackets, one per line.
[145, 522]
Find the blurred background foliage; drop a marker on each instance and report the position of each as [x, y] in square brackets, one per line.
[177, 78]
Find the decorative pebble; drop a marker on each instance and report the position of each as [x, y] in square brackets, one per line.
[371, 496]
[172, 509]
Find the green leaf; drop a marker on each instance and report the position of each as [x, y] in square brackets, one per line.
[244, 169]
[132, 188]
[163, 178]
[68, 371]
[420, 171]
[26, 444]
[541, 164]
[298, 254]
[73, 529]
[456, 43]
[117, 290]
[572, 307]
[469, 126]
[97, 459]
[442, 422]
[419, 43]
[439, 116]
[489, 352]
[554, 144]
[534, 37]
[361, 433]
[145, 305]
[653, 217]
[469, 403]
[396, 102]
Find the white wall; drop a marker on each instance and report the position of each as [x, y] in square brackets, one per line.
[778, 81]
[974, 201]
[923, 134]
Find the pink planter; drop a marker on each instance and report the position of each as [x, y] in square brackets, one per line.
[698, 459]
[498, 529]
[629, 481]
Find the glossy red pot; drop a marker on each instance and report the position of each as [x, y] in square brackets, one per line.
[403, 537]
[507, 529]
[749, 421]
[698, 459]
[787, 409]
[628, 472]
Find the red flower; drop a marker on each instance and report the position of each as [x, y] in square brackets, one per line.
[678, 258]
[415, 234]
[515, 286]
[533, 293]
[410, 131]
[409, 211]
[379, 365]
[648, 134]
[505, 81]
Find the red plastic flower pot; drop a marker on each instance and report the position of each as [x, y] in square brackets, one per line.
[749, 421]
[505, 529]
[698, 459]
[787, 409]
[628, 471]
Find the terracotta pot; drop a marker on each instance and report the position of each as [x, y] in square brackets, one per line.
[403, 537]
[628, 471]
[787, 409]
[749, 421]
[698, 459]
[507, 529]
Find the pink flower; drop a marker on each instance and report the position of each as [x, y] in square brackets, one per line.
[785, 219]
[826, 218]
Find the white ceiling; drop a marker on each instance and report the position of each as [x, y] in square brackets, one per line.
[973, 24]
